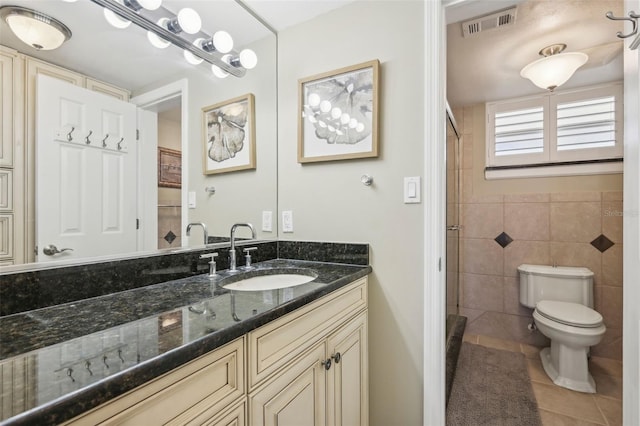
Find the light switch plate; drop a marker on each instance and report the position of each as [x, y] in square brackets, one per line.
[267, 221]
[192, 200]
[412, 190]
[287, 221]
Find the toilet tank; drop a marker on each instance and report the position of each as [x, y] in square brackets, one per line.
[562, 283]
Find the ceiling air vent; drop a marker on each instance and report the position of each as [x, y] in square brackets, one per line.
[489, 22]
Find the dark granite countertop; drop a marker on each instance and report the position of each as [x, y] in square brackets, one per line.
[66, 359]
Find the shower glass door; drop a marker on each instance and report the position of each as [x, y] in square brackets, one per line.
[453, 214]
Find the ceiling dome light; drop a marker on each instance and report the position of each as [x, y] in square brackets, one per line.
[248, 59]
[555, 68]
[40, 31]
[187, 20]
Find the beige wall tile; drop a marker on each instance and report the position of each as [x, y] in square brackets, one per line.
[482, 256]
[576, 196]
[527, 221]
[612, 196]
[519, 252]
[512, 298]
[611, 306]
[481, 220]
[467, 119]
[483, 292]
[563, 401]
[577, 254]
[612, 266]
[575, 222]
[466, 152]
[526, 198]
[610, 346]
[612, 217]
[607, 366]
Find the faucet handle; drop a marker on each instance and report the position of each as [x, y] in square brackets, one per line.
[247, 256]
[212, 262]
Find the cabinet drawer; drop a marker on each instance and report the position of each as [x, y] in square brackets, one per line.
[201, 388]
[272, 346]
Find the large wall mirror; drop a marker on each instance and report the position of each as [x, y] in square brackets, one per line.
[185, 194]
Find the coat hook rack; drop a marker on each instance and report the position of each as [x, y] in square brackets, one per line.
[633, 18]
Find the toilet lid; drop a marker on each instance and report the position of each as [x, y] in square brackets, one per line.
[568, 313]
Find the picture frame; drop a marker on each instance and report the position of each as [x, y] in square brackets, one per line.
[229, 135]
[338, 114]
[169, 168]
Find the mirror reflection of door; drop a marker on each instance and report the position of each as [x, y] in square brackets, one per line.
[169, 176]
[86, 174]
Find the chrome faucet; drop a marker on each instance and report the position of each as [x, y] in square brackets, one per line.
[232, 249]
[204, 229]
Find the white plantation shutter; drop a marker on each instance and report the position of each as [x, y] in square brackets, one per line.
[560, 127]
[519, 132]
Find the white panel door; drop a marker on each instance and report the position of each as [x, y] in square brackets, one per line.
[86, 173]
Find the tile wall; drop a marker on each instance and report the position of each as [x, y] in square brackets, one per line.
[582, 228]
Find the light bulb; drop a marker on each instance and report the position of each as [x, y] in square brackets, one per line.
[155, 40]
[115, 20]
[150, 4]
[189, 20]
[190, 57]
[248, 59]
[222, 42]
[219, 72]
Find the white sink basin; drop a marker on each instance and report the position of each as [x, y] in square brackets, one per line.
[269, 282]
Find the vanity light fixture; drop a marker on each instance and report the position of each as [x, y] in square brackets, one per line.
[38, 30]
[555, 68]
[182, 30]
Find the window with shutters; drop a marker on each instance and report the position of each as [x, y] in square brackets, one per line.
[570, 128]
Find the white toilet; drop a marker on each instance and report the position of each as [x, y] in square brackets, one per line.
[563, 301]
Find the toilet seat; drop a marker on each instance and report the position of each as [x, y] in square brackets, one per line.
[572, 314]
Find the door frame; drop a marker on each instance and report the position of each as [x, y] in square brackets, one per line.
[148, 100]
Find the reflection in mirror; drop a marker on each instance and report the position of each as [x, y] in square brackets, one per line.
[123, 58]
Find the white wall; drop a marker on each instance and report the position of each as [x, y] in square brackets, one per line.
[330, 204]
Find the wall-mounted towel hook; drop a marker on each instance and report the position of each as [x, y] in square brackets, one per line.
[86, 140]
[104, 141]
[69, 137]
[633, 18]
[119, 146]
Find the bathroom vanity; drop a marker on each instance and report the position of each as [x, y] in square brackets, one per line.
[189, 351]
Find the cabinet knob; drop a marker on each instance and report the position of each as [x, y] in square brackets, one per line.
[336, 357]
[326, 363]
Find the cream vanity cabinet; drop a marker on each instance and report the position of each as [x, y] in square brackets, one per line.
[209, 390]
[310, 366]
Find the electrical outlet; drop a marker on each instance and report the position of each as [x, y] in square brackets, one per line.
[267, 221]
[287, 221]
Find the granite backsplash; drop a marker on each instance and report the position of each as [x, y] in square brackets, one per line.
[25, 291]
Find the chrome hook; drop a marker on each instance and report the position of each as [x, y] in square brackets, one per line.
[69, 137]
[104, 141]
[70, 374]
[87, 365]
[633, 18]
[119, 147]
[86, 140]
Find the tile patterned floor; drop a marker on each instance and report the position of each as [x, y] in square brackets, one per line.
[562, 407]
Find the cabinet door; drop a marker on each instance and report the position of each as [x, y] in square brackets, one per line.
[296, 396]
[7, 107]
[347, 379]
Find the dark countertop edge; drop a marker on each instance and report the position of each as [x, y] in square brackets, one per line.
[78, 402]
